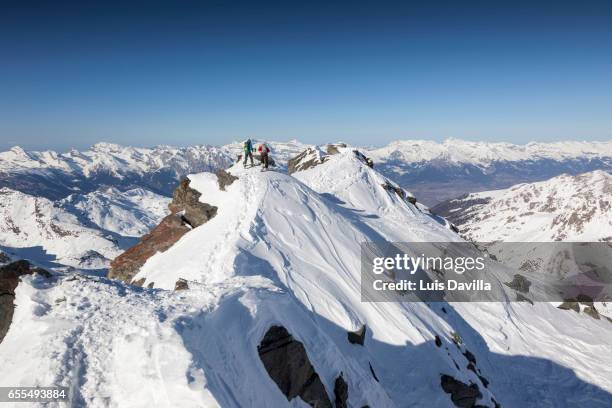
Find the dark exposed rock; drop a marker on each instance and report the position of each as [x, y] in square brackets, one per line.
[159, 239]
[483, 380]
[91, 256]
[453, 228]
[287, 363]
[150, 285]
[335, 148]
[139, 282]
[521, 298]
[187, 200]
[309, 158]
[340, 392]
[585, 300]
[591, 311]
[373, 373]
[357, 337]
[570, 304]
[401, 193]
[462, 395]
[438, 341]
[224, 179]
[519, 283]
[181, 284]
[4, 258]
[9, 280]
[469, 356]
[364, 158]
[186, 212]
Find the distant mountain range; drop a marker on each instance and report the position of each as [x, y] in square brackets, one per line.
[436, 172]
[56, 175]
[574, 208]
[433, 171]
[81, 231]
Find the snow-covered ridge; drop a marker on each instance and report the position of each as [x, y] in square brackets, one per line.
[486, 153]
[284, 251]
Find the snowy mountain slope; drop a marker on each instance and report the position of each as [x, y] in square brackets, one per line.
[436, 172]
[284, 250]
[122, 346]
[574, 208]
[130, 213]
[365, 191]
[56, 175]
[43, 231]
[83, 231]
[564, 208]
[270, 227]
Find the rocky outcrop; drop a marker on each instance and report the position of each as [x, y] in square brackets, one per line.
[187, 212]
[357, 337]
[309, 158]
[334, 148]
[162, 237]
[287, 363]
[340, 392]
[9, 279]
[364, 158]
[4, 258]
[186, 200]
[588, 307]
[401, 193]
[224, 179]
[181, 284]
[519, 283]
[462, 395]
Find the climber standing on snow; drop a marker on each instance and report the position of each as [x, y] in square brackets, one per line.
[247, 148]
[263, 151]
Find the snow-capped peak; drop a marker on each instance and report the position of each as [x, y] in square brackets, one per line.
[573, 208]
[484, 153]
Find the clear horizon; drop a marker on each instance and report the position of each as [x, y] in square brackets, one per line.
[368, 73]
[64, 150]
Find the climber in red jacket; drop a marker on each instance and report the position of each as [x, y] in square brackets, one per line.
[263, 151]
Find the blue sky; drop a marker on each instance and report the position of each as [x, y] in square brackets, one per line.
[148, 73]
